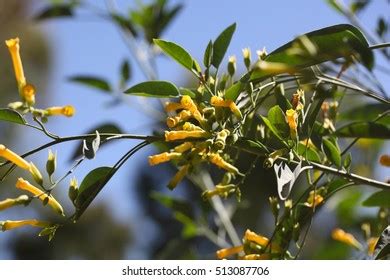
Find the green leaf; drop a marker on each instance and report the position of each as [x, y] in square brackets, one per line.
[125, 72]
[173, 203]
[160, 89]
[347, 161]
[186, 91]
[366, 112]
[332, 152]
[63, 10]
[308, 152]
[251, 146]
[337, 184]
[125, 23]
[208, 54]
[272, 128]
[281, 98]
[9, 115]
[330, 43]
[91, 81]
[176, 52]
[102, 128]
[189, 227]
[378, 199]
[278, 120]
[92, 184]
[364, 130]
[234, 91]
[221, 45]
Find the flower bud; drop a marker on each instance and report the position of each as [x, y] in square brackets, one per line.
[51, 163]
[220, 140]
[73, 190]
[14, 49]
[67, 111]
[247, 57]
[15, 105]
[231, 65]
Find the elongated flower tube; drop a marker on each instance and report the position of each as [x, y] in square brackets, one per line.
[191, 127]
[10, 202]
[291, 119]
[183, 147]
[226, 252]
[172, 106]
[217, 101]
[163, 157]
[14, 49]
[67, 111]
[183, 134]
[347, 238]
[371, 244]
[8, 225]
[25, 185]
[220, 162]
[179, 176]
[190, 105]
[260, 240]
[13, 157]
[182, 116]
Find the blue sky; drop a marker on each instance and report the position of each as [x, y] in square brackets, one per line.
[93, 46]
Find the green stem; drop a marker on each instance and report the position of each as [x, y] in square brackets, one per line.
[380, 46]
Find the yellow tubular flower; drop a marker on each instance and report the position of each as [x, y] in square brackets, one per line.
[8, 225]
[190, 105]
[13, 157]
[14, 49]
[260, 240]
[163, 157]
[347, 238]
[223, 253]
[10, 202]
[371, 242]
[220, 140]
[178, 176]
[183, 147]
[191, 127]
[28, 94]
[314, 200]
[183, 134]
[220, 162]
[385, 160]
[252, 257]
[182, 116]
[25, 185]
[291, 119]
[172, 106]
[217, 101]
[67, 111]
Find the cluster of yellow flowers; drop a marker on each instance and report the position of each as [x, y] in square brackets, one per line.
[27, 91]
[26, 105]
[191, 125]
[255, 247]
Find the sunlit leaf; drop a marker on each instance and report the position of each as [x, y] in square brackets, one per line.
[332, 152]
[221, 45]
[278, 121]
[160, 89]
[92, 81]
[176, 52]
[9, 115]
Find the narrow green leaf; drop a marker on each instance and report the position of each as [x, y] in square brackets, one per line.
[332, 152]
[92, 184]
[251, 146]
[160, 89]
[221, 45]
[278, 120]
[62, 10]
[272, 128]
[364, 130]
[186, 91]
[234, 91]
[125, 72]
[330, 43]
[378, 199]
[308, 152]
[189, 227]
[176, 52]
[208, 54]
[9, 115]
[91, 81]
